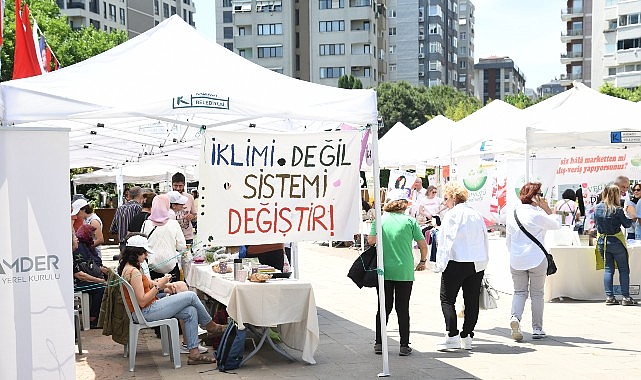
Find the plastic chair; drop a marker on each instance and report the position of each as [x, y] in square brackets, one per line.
[168, 329]
[76, 321]
[83, 302]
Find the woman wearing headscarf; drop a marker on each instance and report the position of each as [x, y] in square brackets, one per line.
[528, 262]
[609, 217]
[462, 256]
[94, 284]
[165, 238]
[399, 231]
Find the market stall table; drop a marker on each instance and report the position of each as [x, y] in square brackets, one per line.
[577, 277]
[286, 303]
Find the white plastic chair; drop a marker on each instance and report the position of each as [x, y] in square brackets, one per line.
[168, 329]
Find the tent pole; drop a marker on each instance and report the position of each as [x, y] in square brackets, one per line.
[379, 245]
[527, 154]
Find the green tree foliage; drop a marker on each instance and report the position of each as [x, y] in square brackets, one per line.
[519, 100]
[414, 105]
[69, 46]
[349, 82]
[623, 93]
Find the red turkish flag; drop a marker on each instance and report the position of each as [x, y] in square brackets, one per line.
[25, 61]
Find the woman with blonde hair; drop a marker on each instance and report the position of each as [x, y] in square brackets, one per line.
[528, 262]
[609, 217]
[462, 257]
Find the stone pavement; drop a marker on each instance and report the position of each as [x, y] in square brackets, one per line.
[586, 340]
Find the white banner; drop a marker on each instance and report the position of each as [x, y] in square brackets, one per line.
[36, 278]
[269, 188]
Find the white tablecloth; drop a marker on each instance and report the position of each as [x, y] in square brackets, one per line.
[286, 303]
[577, 277]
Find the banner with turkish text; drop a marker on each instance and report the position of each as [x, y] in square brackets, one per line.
[266, 188]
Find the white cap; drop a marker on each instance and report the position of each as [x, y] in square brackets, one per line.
[396, 195]
[140, 242]
[77, 205]
[176, 197]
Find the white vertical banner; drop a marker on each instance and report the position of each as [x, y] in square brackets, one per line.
[267, 188]
[36, 285]
[478, 177]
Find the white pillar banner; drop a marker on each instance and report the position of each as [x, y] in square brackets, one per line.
[265, 188]
[36, 286]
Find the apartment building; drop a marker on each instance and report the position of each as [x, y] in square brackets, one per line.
[466, 80]
[497, 77]
[315, 40]
[133, 16]
[603, 42]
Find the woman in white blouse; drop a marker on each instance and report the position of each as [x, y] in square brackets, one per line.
[462, 256]
[528, 263]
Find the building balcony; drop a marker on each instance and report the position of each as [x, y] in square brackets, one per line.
[567, 79]
[628, 56]
[569, 35]
[570, 13]
[574, 56]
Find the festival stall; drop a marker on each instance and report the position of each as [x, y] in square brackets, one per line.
[160, 96]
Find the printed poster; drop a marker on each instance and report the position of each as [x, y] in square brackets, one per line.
[268, 188]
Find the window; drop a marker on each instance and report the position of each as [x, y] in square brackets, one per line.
[331, 26]
[270, 51]
[391, 13]
[228, 32]
[278, 70]
[269, 6]
[227, 17]
[165, 10]
[245, 53]
[331, 72]
[434, 29]
[242, 31]
[463, 50]
[156, 8]
[433, 66]
[462, 36]
[366, 25]
[463, 64]
[112, 12]
[268, 29]
[435, 47]
[392, 67]
[297, 40]
[331, 49]
[173, 10]
[367, 72]
[226, 3]
[392, 31]
[435, 10]
[242, 6]
[122, 16]
[329, 4]
[228, 46]
[392, 49]
[629, 43]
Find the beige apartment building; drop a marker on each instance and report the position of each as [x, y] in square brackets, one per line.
[314, 40]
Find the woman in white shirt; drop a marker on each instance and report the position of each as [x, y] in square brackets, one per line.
[528, 263]
[568, 208]
[165, 237]
[462, 256]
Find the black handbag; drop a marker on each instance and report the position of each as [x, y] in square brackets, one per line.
[364, 269]
[551, 263]
[91, 268]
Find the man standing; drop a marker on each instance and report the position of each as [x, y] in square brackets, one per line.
[188, 212]
[418, 197]
[124, 214]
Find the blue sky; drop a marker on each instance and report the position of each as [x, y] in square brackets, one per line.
[527, 31]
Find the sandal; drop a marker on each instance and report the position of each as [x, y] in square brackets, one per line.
[201, 359]
[217, 330]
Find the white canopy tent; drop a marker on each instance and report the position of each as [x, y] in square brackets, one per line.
[393, 146]
[151, 97]
[432, 141]
[146, 172]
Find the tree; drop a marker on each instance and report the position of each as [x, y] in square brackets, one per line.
[68, 45]
[349, 82]
[619, 92]
[519, 100]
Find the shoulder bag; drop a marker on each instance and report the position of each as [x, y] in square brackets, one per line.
[488, 296]
[364, 269]
[551, 263]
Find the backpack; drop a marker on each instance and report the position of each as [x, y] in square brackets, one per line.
[231, 348]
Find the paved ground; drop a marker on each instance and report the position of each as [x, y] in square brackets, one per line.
[586, 340]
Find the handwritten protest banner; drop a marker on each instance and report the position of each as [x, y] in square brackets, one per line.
[267, 188]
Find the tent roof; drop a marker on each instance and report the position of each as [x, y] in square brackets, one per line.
[579, 117]
[392, 147]
[150, 96]
[143, 172]
[431, 141]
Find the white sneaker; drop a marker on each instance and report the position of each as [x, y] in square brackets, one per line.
[450, 343]
[538, 334]
[184, 350]
[466, 343]
[515, 325]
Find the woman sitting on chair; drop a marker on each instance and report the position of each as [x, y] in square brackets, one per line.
[185, 306]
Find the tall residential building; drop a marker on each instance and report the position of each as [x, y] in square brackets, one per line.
[315, 40]
[603, 41]
[497, 77]
[133, 16]
[466, 47]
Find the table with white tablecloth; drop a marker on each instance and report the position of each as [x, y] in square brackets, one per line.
[286, 303]
[577, 277]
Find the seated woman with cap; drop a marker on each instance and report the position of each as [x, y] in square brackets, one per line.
[185, 306]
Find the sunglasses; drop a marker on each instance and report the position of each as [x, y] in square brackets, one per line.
[636, 189]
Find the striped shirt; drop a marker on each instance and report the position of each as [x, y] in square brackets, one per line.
[123, 216]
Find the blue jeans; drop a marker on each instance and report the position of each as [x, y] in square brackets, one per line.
[186, 306]
[616, 252]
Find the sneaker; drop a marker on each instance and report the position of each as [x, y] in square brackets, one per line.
[628, 301]
[184, 350]
[450, 343]
[538, 334]
[515, 325]
[611, 301]
[378, 348]
[466, 343]
[405, 351]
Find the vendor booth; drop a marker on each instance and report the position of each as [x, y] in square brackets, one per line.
[157, 97]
